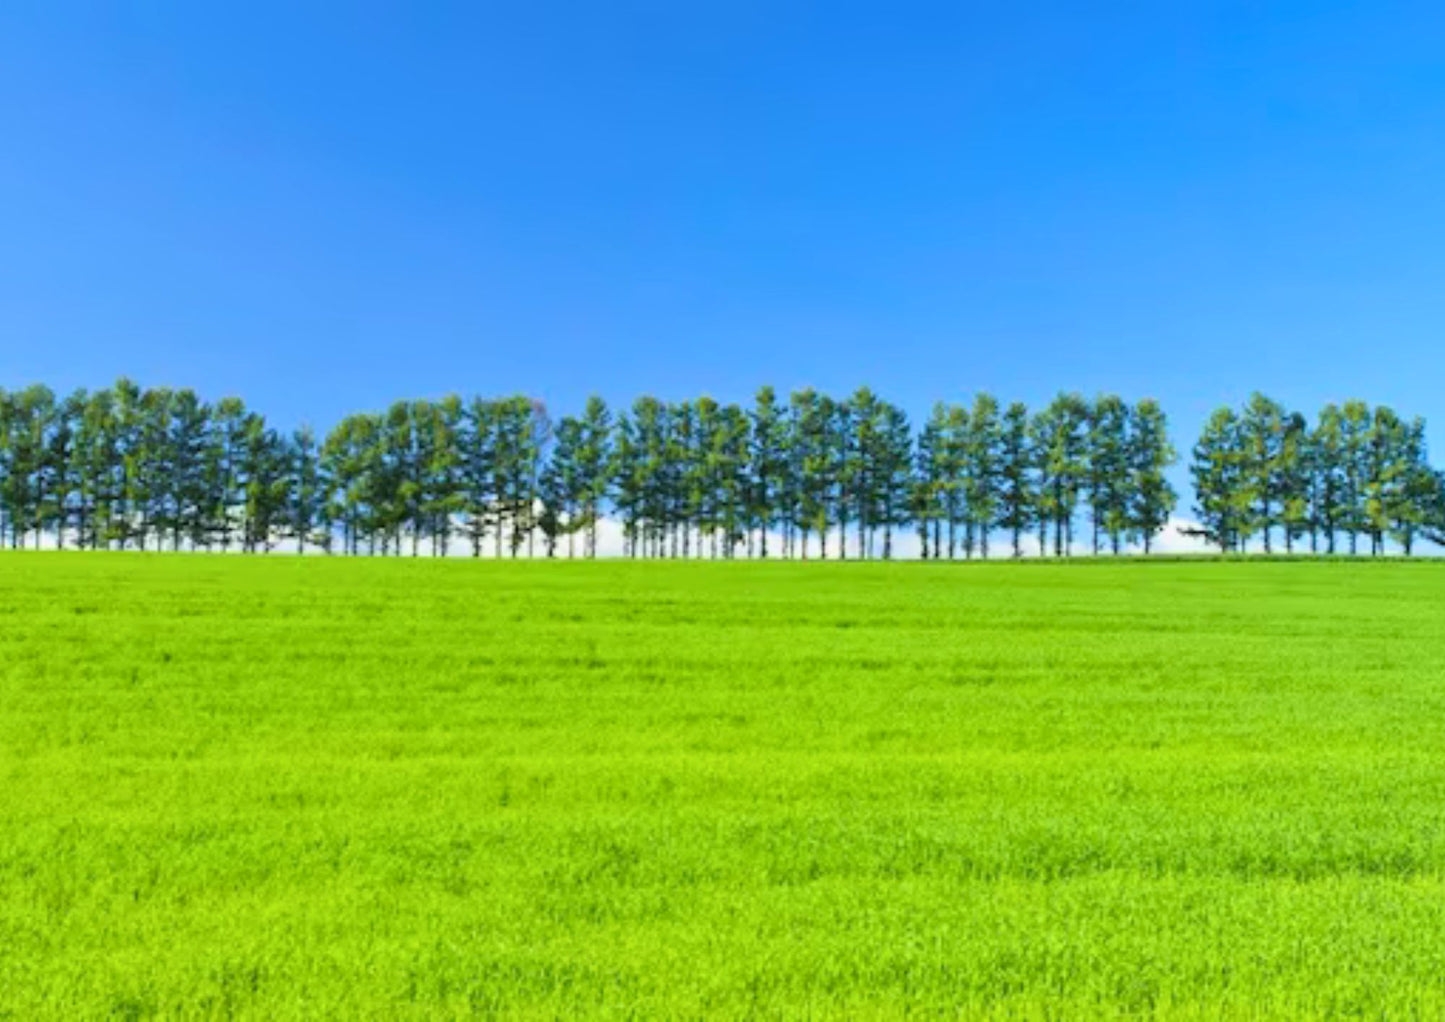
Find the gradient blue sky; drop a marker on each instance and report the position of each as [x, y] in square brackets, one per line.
[322, 207]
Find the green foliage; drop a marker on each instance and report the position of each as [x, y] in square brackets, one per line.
[333, 788]
[131, 468]
[1360, 471]
[1149, 498]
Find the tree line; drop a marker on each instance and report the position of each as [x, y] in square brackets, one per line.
[1356, 473]
[804, 476]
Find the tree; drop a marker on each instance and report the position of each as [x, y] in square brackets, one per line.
[224, 458]
[263, 482]
[1150, 498]
[1292, 480]
[305, 517]
[1109, 470]
[190, 425]
[812, 457]
[156, 468]
[94, 457]
[1016, 492]
[349, 462]
[1223, 482]
[62, 481]
[893, 472]
[594, 456]
[931, 480]
[26, 419]
[767, 454]
[1327, 467]
[731, 459]
[1413, 504]
[1061, 456]
[981, 469]
[1261, 434]
[1355, 423]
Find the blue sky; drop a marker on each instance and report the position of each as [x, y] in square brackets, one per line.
[325, 207]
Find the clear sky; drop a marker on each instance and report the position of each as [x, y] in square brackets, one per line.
[322, 207]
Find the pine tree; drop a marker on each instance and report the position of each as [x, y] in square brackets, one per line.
[1292, 480]
[1387, 466]
[190, 426]
[1109, 474]
[844, 468]
[1355, 422]
[981, 471]
[1412, 503]
[685, 478]
[732, 458]
[349, 463]
[263, 485]
[93, 457]
[62, 481]
[813, 459]
[894, 463]
[628, 478]
[25, 423]
[1327, 465]
[931, 480]
[1061, 455]
[305, 492]
[594, 456]
[1016, 491]
[225, 457]
[1261, 434]
[1223, 482]
[1150, 498]
[476, 498]
[768, 457]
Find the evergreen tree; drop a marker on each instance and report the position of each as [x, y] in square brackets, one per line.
[981, 470]
[893, 473]
[156, 468]
[1061, 455]
[1261, 434]
[1223, 482]
[594, 457]
[305, 519]
[263, 483]
[732, 475]
[477, 473]
[1413, 504]
[1109, 471]
[1327, 467]
[931, 480]
[629, 478]
[1355, 424]
[1150, 498]
[94, 457]
[1016, 491]
[190, 426]
[225, 457]
[769, 462]
[809, 443]
[62, 482]
[1292, 480]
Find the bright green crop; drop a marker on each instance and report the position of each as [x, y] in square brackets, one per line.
[306, 788]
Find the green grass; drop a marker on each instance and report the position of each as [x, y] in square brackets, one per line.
[283, 788]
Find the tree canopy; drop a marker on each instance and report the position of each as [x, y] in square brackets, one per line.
[808, 475]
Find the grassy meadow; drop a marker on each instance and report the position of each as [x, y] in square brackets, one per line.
[306, 788]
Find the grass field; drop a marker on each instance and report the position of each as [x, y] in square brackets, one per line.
[281, 788]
